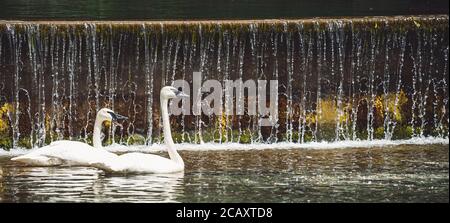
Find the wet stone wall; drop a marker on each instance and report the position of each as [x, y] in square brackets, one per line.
[339, 79]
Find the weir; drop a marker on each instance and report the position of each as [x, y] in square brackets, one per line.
[339, 79]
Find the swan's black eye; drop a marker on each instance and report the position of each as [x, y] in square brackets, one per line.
[117, 117]
[113, 115]
[177, 91]
[180, 89]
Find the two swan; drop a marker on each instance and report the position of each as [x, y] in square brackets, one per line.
[65, 152]
[77, 153]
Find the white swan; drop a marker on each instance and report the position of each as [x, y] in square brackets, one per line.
[65, 152]
[78, 153]
[149, 163]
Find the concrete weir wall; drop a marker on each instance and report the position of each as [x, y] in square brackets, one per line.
[339, 78]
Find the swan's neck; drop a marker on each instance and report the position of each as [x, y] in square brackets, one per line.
[174, 156]
[96, 140]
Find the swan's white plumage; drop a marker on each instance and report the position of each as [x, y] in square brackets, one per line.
[148, 163]
[139, 163]
[66, 152]
[80, 154]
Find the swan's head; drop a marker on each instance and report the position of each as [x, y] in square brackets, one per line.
[170, 92]
[106, 114]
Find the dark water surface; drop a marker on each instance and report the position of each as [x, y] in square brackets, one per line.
[408, 173]
[212, 9]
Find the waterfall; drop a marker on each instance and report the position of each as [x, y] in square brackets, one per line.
[339, 79]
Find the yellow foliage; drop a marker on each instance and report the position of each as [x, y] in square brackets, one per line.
[4, 110]
[223, 121]
[378, 104]
[107, 123]
[392, 108]
[311, 118]
[329, 112]
[48, 122]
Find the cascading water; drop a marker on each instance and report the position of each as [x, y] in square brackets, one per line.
[339, 79]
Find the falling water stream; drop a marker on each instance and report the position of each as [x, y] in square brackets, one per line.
[338, 79]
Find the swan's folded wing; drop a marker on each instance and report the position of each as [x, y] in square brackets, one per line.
[110, 164]
[38, 157]
[65, 152]
[147, 163]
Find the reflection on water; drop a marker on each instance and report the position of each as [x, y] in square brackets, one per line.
[412, 173]
[82, 184]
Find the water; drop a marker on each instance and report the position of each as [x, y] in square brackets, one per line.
[397, 173]
[209, 9]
